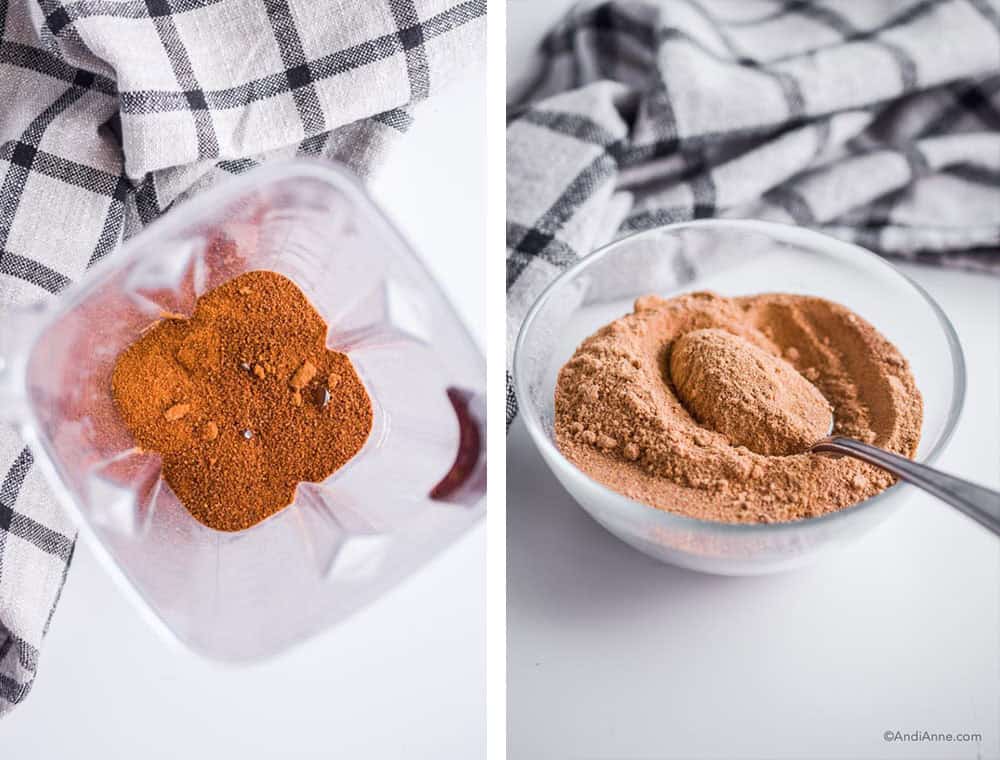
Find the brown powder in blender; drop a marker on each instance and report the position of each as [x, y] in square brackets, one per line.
[704, 405]
[242, 400]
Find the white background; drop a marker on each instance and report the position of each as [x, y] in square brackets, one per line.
[403, 678]
[612, 655]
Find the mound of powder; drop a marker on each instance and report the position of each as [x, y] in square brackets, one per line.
[242, 400]
[753, 398]
[702, 405]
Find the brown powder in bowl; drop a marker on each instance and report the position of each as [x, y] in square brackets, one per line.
[759, 375]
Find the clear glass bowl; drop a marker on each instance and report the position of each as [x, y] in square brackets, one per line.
[733, 258]
[416, 485]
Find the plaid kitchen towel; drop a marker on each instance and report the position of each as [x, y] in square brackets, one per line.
[113, 111]
[877, 121]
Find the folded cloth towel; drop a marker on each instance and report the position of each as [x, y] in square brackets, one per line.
[877, 122]
[115, 111]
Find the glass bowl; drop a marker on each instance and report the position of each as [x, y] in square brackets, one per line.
[733, 257]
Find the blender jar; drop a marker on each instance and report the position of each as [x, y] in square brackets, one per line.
[417, 484]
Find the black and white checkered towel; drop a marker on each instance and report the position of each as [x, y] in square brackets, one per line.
[877, 121]
[114, 110]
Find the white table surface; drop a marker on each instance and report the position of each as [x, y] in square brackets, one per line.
[613, 655]
[403, 678]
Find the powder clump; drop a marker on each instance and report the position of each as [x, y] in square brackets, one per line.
[730, 449]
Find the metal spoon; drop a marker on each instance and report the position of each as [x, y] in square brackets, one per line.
[981, 504]
[977, 502]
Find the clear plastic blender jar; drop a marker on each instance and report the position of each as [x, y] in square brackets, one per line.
[418, 483]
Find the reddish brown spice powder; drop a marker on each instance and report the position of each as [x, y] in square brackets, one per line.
[706, 406]
[243, 401]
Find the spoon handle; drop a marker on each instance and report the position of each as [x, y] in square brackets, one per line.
[981, 504]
